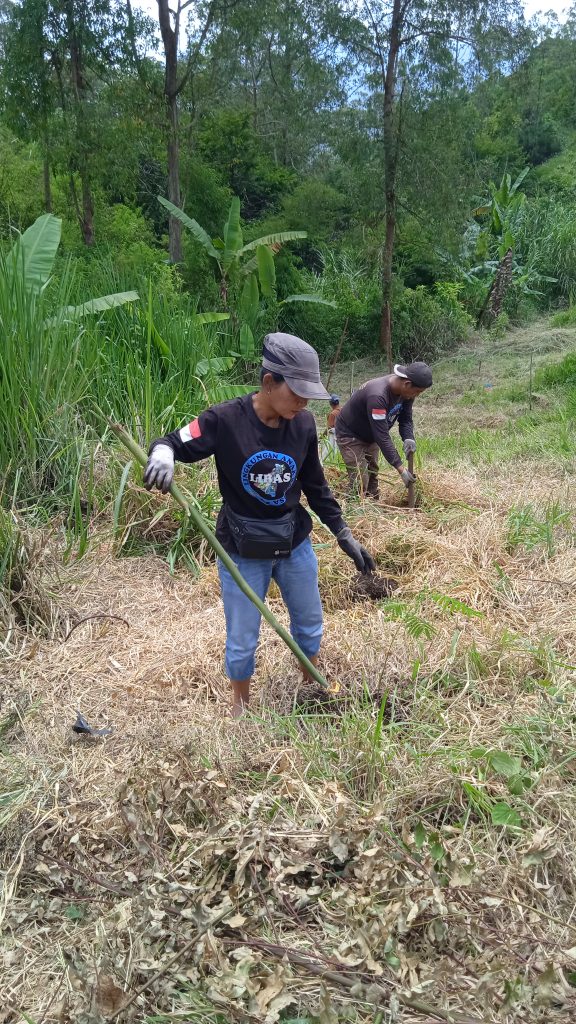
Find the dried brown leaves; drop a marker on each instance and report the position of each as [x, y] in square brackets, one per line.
[324, 867]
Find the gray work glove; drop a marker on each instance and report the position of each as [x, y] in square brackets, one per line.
[159, 470]
[409, 445]
[351, 547]
[407, 477]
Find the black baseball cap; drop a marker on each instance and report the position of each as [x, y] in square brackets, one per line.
[419, 374]
[296, 361]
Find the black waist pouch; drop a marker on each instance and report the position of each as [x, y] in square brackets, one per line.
[261, 538]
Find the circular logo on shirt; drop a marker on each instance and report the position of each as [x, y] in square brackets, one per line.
[268, 476]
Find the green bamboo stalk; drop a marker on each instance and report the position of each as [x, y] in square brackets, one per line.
[138, 453]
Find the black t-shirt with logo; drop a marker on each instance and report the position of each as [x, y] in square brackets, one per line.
[262, 471]
[371, 412]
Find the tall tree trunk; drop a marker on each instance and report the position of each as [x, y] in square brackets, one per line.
[391, 151]
[85, 212]
[47, 184]
[492, 306]
[175, 227]
[87, 221]
[171, 90]
[170, 41]
[254, 101]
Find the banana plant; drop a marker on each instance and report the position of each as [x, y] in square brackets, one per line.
[502, 211]
[247, 271]
[30, 262]
[498, 238]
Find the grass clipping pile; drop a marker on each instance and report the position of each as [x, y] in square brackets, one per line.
[408, 857]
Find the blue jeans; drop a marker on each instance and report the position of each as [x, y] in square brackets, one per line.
[297, 578]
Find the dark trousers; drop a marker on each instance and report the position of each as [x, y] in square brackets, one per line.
[361, 461]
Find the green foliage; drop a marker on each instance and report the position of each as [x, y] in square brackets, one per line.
[39, 385]
[65, 357]
[557, 176]
[121, 226]
[348, 281]
[497, 141]
[529, 529]
[502, 814]
[416, 627]
[510, 768]
[567, 318]
[228, 141]
[417, 259]
[13, 564]
[32, 258]
[540, 139]
[324, 209]
[415, 624]
[564, 372]
[20, 183]
[228, 252]
[203, 188]
[454, 606]
[547, 241]
[426, 324]
[322, 327]
[247, 271]
[503, 212]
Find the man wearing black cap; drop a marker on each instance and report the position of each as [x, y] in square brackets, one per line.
[266, 451]
[363, 426]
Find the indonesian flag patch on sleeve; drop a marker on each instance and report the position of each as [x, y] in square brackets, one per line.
[191, 432]
[379, 414]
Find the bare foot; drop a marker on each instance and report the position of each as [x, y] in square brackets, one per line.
[238, 709]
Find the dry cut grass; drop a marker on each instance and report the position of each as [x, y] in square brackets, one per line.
[404, 854]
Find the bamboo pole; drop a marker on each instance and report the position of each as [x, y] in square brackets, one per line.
[139, 454]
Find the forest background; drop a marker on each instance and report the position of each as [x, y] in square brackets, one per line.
[377, 178]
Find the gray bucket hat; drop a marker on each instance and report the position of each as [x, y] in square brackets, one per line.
[296, 361]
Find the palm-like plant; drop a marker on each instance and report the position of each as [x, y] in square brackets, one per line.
[499, 233]
[247, 271]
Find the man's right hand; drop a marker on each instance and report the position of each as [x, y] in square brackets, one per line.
[407, 477]
[159, 470]
[350, 546]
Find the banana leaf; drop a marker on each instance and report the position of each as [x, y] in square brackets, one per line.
[197, 230]
[34, 253]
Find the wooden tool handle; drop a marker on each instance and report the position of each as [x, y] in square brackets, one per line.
[411, 488]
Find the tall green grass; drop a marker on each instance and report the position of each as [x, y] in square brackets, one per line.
[138, 363]
[547, 241]
[561, 374]
[540, 435]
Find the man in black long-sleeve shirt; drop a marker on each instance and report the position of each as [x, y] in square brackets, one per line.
[363, 426]
[262, 470]
[266, 452]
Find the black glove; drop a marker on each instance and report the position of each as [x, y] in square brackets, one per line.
[159, 470]
[351, 547]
